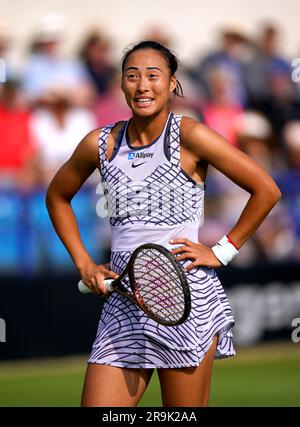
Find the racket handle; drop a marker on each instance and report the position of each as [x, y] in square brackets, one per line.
[86, 290]
[83, 288]
[107, 283]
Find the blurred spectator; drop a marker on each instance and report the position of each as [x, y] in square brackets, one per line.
[282, 104]
[235, 50]
[255, 138]
[274, 240]
[17, 144]
[159, 34]
[221, 112]
[191, 103]
[47, 65]
[95, 55]
[289, 180]
[58, 127]
[111, 107]
[5, 44]
[267, 52]
[269, 42]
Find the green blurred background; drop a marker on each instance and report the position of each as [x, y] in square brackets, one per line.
[264, 375]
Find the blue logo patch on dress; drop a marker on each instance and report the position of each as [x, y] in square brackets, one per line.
[131, 156]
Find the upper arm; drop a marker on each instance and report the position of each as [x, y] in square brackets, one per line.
[207, 145]
[77, 169]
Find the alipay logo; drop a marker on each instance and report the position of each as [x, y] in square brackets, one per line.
[131, 156]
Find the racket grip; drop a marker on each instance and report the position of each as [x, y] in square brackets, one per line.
[86, 290]
[83, 288]
[107, 284]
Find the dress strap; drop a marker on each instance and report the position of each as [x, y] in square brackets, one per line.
[173, 141]
[102, 144]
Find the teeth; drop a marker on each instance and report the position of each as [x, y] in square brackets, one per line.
[144, 100]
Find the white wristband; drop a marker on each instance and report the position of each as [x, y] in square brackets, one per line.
[224, 250]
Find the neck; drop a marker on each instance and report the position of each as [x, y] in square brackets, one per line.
[144, 130]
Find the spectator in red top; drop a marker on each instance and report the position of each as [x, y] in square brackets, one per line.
[221, 112]
[16, 142]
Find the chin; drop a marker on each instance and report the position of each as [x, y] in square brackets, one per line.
[144, 113]
[147, 112]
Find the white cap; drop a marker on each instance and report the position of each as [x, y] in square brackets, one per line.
[254, 125]
[291, 135]
[51, 28]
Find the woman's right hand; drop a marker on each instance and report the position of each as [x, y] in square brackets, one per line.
[93, 276]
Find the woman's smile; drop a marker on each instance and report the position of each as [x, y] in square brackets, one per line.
[143, 102]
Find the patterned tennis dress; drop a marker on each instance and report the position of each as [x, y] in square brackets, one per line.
[150, 199]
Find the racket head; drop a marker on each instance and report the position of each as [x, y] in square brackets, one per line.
[159, 284]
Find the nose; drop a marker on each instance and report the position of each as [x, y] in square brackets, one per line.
[142, 84]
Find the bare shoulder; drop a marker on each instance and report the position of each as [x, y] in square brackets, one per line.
[188, 124]
[196, 136]
[88, 146]
[85, 154]
[87, 150]
[93, 137]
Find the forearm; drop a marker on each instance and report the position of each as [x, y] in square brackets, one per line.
[256, 210]
[66, 227]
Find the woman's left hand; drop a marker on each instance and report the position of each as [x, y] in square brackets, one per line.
[201, 254]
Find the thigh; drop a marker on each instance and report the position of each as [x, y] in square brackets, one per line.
[188, 386]
[111, 386]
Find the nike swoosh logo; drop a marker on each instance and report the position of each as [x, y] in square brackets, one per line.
[135, 166]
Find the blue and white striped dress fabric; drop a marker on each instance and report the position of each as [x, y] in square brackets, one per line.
[126, 337]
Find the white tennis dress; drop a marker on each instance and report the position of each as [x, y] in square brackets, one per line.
[151, 199]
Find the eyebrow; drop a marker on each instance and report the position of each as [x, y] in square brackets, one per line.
[148, 68]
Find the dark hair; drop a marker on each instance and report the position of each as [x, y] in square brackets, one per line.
[169, 56]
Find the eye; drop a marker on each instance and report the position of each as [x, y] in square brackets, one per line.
[131, 76]
[153, 76]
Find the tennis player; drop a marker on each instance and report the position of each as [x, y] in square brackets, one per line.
[153, 168]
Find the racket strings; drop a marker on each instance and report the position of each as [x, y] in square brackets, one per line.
[158, 285]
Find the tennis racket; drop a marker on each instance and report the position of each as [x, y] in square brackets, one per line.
[158, 285]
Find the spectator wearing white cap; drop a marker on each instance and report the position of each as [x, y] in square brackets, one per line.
[46, 64]
[255, 137]
[57, 126]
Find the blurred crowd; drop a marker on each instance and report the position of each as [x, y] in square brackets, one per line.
[243, 89]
